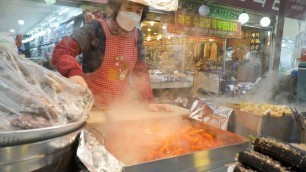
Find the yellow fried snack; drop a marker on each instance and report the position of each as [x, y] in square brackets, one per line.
[266, 109]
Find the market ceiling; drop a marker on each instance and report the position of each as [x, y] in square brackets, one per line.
[30, 11]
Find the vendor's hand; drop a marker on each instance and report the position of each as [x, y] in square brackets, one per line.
[158, 107]
[79, 79]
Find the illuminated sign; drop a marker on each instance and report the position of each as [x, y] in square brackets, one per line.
[255, 42]
[198, 25]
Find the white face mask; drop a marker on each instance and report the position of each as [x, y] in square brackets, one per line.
[127, 20]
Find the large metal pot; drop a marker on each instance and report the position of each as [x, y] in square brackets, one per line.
[53, 154]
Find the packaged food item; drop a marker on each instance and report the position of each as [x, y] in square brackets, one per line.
[32, 96]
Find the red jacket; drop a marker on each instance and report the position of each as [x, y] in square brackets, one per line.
[90, 42]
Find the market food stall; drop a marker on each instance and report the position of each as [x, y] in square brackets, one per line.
[45, 121]
[43, 114]
[139, 140]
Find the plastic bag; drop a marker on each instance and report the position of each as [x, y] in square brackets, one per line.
[34, 97]
[214, 115]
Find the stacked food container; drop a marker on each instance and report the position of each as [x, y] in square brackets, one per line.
[41, 114]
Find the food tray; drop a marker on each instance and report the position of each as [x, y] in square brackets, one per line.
[213, 159]
[17, 137]
[247, 124]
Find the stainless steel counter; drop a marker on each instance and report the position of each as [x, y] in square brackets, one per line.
[246, 124]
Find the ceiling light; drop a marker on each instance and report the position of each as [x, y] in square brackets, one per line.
[152, 23]
[21, 22]
[149, 30]
[154, 33]
[243, 18]
[203, 10]
[12, 30]
[265, 21]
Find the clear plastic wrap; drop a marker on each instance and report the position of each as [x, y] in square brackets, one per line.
[34, 97]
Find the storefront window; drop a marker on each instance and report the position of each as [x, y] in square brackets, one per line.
[38, 26]
[292, 45]
[216, 49]
[40, 40]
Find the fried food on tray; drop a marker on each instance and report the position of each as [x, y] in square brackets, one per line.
[265, 109]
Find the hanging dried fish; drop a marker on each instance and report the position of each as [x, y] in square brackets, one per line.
[195, 50]
[214, 52]
[206, 50]
[198, 50]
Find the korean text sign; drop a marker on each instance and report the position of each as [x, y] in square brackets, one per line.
[195, 24]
